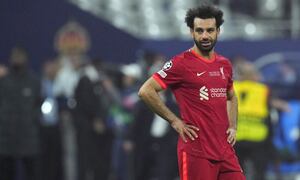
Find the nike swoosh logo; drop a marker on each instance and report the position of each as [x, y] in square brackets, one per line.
[200, 74]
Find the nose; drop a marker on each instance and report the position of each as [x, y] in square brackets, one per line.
[205, 35]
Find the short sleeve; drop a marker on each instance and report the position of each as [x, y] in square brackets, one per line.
[170, 74]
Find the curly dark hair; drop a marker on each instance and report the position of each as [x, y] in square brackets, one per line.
[204, 11]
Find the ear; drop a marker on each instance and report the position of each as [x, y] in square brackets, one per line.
[218, 30]
[192, 32]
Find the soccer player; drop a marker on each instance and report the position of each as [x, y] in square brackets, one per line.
[201, 81]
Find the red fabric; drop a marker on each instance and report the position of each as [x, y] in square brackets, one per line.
[202, 58]
[200, 90]
[197, 168]
[160, 82]
[184, 167]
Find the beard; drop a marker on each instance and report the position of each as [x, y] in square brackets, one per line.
[205, 46]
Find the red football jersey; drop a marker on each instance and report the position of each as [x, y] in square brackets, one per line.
[200, 87]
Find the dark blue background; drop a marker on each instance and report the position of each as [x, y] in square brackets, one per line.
[33, 23]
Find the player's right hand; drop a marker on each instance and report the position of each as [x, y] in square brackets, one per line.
[185, 129]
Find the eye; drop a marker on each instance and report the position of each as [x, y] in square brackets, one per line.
[210, 30]
[199, 30]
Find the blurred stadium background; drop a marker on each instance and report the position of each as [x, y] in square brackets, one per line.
[121, 32]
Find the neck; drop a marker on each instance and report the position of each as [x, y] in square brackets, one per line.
[204, 54]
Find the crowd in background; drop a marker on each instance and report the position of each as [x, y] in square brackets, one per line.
[81, 118]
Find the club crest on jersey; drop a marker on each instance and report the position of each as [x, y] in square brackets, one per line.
[222, 72]
[167, 65]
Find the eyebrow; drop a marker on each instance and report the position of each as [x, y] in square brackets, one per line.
[209, 28]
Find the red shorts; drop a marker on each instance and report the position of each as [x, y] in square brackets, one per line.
[197, 168]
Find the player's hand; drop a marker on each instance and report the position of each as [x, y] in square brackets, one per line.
[185, 129]
[231, 139]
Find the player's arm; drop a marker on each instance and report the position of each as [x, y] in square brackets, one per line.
[232, 110]
[149, 94]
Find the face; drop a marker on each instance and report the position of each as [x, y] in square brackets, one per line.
[50, 69]
[18, 57]
[3, 70]
[205, 34]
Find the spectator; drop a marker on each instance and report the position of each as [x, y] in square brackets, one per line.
[152, 139]
[19, 120]
[121, 117]
[154, 143]
[94, 139]
[51, 147]
[254, 125]
[72, 43]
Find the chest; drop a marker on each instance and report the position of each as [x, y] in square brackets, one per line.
[213, 75]
[19, 90]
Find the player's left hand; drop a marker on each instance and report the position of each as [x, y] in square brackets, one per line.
[231, 139]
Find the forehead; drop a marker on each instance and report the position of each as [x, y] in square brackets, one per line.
[204, 23]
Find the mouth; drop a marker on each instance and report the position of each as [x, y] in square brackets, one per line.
[206, 43]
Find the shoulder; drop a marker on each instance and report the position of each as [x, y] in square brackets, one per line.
[262, 85]
[34, 78]
[177, 63]
[224, 61]
[180, 58]
[84, 80]
[253, 84]
[173, 63]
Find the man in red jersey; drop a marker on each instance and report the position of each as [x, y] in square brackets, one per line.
[201, 81]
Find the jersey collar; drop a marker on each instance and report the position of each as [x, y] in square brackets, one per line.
[202, 58]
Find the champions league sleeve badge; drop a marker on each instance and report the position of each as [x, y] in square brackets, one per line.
[167, 65]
